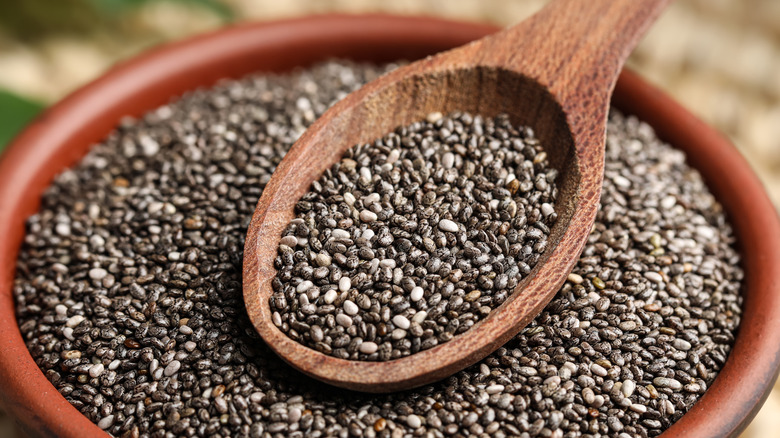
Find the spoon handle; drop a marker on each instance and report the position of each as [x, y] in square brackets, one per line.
[581, 44]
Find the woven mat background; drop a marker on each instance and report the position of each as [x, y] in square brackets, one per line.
[720, 58]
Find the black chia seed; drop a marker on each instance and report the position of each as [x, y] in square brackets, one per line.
[412, 239]
[128, 290]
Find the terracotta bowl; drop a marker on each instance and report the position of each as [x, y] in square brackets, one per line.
[64, 133]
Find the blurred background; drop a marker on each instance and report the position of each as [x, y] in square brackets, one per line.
[719, 58]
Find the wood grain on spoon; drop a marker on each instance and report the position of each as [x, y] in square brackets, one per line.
[554, 72]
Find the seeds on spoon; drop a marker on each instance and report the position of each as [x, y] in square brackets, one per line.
[411, 240]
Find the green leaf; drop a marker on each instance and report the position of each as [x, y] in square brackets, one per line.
[222, 10]
[15, 113]
[118, 7]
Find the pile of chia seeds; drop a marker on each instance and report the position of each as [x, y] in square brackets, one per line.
[129, 298]
[412, 239]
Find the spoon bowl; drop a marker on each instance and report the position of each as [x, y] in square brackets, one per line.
[553, 72]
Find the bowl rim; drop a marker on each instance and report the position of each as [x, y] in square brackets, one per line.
[64, 132]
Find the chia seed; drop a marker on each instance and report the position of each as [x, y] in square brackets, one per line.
[422, 233]
[162, 206]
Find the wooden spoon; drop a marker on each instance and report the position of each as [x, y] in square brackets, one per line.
[554, 72]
